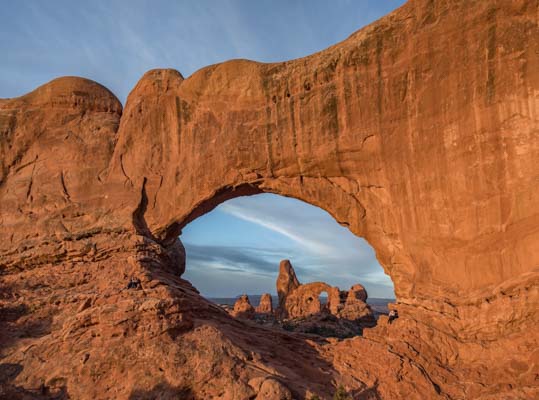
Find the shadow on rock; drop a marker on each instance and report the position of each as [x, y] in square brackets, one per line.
[366, 394]
[163, 391]
[20, 320]
[9, 371]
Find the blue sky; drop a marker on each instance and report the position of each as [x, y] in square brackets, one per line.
[115, 42]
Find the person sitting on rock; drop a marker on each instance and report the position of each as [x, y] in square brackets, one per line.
[134, 283]
[393, 314]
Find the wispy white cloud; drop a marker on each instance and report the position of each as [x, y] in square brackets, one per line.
[279, 226]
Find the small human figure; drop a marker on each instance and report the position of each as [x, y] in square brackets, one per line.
[393, 314]
[134, 283]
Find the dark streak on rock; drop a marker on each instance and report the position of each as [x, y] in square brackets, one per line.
[64, 187]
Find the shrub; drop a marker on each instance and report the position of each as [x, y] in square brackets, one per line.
[341, 394]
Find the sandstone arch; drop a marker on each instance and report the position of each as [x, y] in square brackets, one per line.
[419, 132]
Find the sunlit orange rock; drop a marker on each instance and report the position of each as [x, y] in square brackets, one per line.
[266, 305]
[286, 282]
[306, 300]
[418, 133]
[355, 307]
[243, 308]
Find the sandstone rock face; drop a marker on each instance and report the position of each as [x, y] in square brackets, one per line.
[357, 292]
[418, 133]
[306, 300]
[266, 304]
[304, 303]
[286, 282]
[243, 308]
[272, 389]
[355, 307]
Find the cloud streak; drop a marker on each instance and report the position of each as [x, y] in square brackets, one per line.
[254, 260]
[270, 222]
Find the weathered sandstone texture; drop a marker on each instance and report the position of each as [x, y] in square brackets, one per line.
[287, 282]
[266, 305]
[419, 133]
[298, 300]
[344, 313]
[243, 308]
[355, 307]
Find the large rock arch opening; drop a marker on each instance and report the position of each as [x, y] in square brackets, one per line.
[419, 132]
[345, 211]
[238, 248]
[275, 214]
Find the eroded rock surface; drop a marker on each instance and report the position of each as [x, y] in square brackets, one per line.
[355, 307]
[304, 307]
[266, 305]
[418, 132]
[243, 308]
[286, 282]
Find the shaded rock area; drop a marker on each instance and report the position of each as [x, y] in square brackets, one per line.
[418, 133]
[303, 309]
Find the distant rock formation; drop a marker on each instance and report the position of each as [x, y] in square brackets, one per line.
[286, 282]
[305, 300]
[303, 308]
[266, 305]
[243, 308]
[358, 292]
[356, 308]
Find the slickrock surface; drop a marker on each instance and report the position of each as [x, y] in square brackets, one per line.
[419, 133]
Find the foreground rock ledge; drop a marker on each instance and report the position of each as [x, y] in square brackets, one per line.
[419, 133]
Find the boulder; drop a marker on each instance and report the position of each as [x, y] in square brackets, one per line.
[358, 292]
